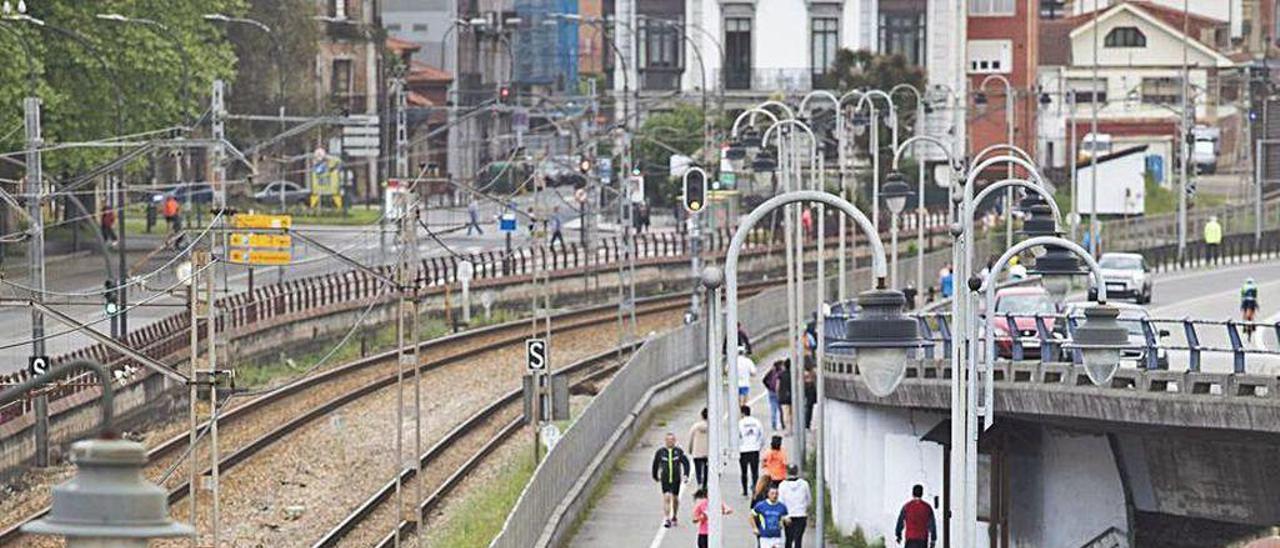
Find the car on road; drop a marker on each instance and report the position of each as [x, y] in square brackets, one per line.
[1023, 304]
[270, 194]
[1127, 275]
[1131, 318]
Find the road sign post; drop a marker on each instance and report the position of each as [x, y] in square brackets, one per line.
[466, 271]
[37, 365]
[536, 366]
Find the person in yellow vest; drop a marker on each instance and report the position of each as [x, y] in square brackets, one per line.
[1212, 240]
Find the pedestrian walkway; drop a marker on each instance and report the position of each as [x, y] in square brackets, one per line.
[630, 511]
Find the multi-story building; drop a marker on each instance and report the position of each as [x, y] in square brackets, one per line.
[348, 74]
[1136, 84]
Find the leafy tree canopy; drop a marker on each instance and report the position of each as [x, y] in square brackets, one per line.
[78, 82]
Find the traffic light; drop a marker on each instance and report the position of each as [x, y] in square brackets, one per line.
[112, 304]
[504, 94]
[584, 167]
[694, 195]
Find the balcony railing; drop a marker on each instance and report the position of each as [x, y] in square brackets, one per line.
[766, 79]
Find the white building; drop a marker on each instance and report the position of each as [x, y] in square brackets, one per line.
[1138, 86]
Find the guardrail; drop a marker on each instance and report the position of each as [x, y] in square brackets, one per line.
[168, 339]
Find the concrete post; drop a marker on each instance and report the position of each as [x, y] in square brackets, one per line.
[35, 261]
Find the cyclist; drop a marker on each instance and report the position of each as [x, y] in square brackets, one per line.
[1249, 305]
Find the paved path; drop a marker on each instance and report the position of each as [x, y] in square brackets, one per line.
[630, 512]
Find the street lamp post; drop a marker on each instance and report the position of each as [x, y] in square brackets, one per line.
[897, 154]
[792, 169]
[895, 194]
[729, 332]
[981, 99]
[920, 199]
[277, 51]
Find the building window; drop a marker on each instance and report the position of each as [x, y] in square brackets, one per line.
[419, 27]
[393, 27]
[992, 7]
[1161, 91]
[1125, 37]
[660, 47]
[990, 56]
[1053, 9]
[903, 34]
[824, 40]
[338, 9]
[1088, 91]
[340, 79]
[737, 51]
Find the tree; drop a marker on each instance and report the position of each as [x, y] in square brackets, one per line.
[663, 134]
[295, 33]
[78, 92]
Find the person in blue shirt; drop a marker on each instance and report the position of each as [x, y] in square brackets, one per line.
[557, 227]
[946, 282]
[768, 518]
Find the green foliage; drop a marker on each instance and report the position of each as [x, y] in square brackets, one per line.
[78, 86]
[863, 69]
[678, 131]
[259, 61]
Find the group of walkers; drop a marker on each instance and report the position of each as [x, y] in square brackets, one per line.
[778, 497]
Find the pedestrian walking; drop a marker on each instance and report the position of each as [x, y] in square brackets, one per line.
[700, 517]
[761, 490]
[806, 221]
[750, 441]
[768, 517]
[744, 340]
[473, 217]
[916, 521]
[946, 282]
[698, 449]
[557, 227]
[746, 370]
[1212, 240]
[810, 392]
[153, 210]
[172, 211]
[776, 419]
[670, 469]
[107, 222]
[784, 395]
[775, 459]
[795, 494]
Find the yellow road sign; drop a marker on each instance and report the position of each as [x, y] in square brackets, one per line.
[258, 220]
[261, 257]
[241, 239]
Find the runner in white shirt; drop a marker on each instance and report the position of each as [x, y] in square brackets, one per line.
[750, 440]
[746, 370]
[794, 494]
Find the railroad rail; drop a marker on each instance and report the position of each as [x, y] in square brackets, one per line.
[476, 342]
[475, 423]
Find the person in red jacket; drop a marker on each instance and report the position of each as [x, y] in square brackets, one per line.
[917, 518]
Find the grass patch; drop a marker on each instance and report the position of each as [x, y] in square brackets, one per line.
[485, 509]
[353, 216]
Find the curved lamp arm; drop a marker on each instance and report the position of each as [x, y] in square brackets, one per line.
[106, 402]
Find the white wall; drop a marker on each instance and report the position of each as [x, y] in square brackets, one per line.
[1066, 490]
[1163, 48]
[1223, 10]
[780, 34]
[875, 455]
[1120, 185]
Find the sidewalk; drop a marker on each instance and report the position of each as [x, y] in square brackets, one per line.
[630, 511]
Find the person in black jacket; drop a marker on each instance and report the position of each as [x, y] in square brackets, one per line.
[670, 469]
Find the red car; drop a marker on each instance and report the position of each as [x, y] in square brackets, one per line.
[1023, 303]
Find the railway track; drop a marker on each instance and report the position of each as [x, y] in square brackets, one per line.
[247, 429]
[484, 431]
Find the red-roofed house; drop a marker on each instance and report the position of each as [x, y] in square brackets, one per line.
[1138, 94]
